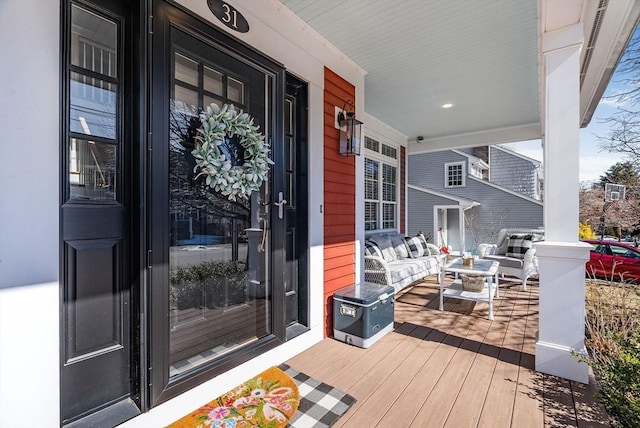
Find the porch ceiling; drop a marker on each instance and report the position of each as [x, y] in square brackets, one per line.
[420, 54]
[481, 56]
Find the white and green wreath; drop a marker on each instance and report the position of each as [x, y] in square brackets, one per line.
[232, 181]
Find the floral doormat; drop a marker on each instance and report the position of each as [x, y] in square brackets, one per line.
[269, 400]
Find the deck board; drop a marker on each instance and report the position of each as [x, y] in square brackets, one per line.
[453, 368]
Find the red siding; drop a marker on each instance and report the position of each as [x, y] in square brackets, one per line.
[403, 188]
[339, 198]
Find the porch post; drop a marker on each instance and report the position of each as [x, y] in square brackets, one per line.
[561, 255]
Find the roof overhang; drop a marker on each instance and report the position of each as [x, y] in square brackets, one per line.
[482, 57]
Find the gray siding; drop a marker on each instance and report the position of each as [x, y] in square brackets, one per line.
[498, 209]
[427, 169]
[513, 172]
[420, 211]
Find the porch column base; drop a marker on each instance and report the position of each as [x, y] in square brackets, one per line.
[559, 361]
[561, 304]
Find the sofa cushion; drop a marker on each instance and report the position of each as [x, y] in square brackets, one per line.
[371, 249]
[383, 242]
[518, 245]
[429, 262]
[415, 247]
[403, 269]
[508, 262]
[399, 246]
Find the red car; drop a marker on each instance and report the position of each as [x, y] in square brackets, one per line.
[614, 260]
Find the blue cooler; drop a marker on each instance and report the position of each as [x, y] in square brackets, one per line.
[362, 313]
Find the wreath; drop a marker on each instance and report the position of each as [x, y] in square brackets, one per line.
[232, 181]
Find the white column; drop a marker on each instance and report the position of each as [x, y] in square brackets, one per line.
[561, 256]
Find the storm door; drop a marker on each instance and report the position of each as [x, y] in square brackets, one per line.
[216, 256]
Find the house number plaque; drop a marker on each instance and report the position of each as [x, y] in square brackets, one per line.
[229, 15]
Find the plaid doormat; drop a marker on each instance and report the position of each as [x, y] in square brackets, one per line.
[321, 405]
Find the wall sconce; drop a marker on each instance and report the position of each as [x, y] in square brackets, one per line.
[350, 132]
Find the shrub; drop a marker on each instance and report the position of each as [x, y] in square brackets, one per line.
[213, 283]
[585, 231]
[613, 340]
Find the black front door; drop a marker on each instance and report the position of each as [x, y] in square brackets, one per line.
[217, 260]
[167, 282]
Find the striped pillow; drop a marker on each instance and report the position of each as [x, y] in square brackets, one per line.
[423, 243]
[415, 246]
[371, 249]
[518, 245]
[400, 246]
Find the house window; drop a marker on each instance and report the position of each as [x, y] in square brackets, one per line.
[389, 151]
[371, 144]
[380, 186]
[454, 174]
[389, 201]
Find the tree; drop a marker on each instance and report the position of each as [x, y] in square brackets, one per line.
[624, 125]
[621, 173]
[484, 227]
[624, 214]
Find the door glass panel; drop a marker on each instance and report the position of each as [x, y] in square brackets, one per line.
[235, 91]
[186, 99]
[93, 42]
[213, 81]
[289, 153]
[219, 299]
[186, 70]
[93, 106]
[208, 100]
[92, 170]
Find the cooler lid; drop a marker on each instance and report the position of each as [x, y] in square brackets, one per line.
[364, 293]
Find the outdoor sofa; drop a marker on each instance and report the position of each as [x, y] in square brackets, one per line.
[392, 259]
[515, 253]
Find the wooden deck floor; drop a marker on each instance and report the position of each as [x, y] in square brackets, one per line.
[453, 368]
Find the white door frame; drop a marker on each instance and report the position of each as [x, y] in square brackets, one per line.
[436, 225]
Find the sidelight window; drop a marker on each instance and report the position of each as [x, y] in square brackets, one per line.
[92, 153]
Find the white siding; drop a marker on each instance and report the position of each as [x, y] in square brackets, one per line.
[29, 177]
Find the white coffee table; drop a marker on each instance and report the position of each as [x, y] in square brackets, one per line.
[485, 268]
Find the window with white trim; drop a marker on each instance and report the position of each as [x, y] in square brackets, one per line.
[380, 186]
[454, 175]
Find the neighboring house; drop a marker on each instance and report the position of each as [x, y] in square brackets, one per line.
[462, 198]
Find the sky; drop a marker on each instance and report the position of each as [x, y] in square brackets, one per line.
[593, 160]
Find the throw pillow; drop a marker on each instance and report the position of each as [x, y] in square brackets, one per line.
[386, 247]
[415, 247]
[423, 244]
[371, 249]
[399, 246]
[518, 245]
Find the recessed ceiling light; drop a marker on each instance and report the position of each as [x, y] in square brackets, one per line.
[447, 105]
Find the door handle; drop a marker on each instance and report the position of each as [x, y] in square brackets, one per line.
[280, 204]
